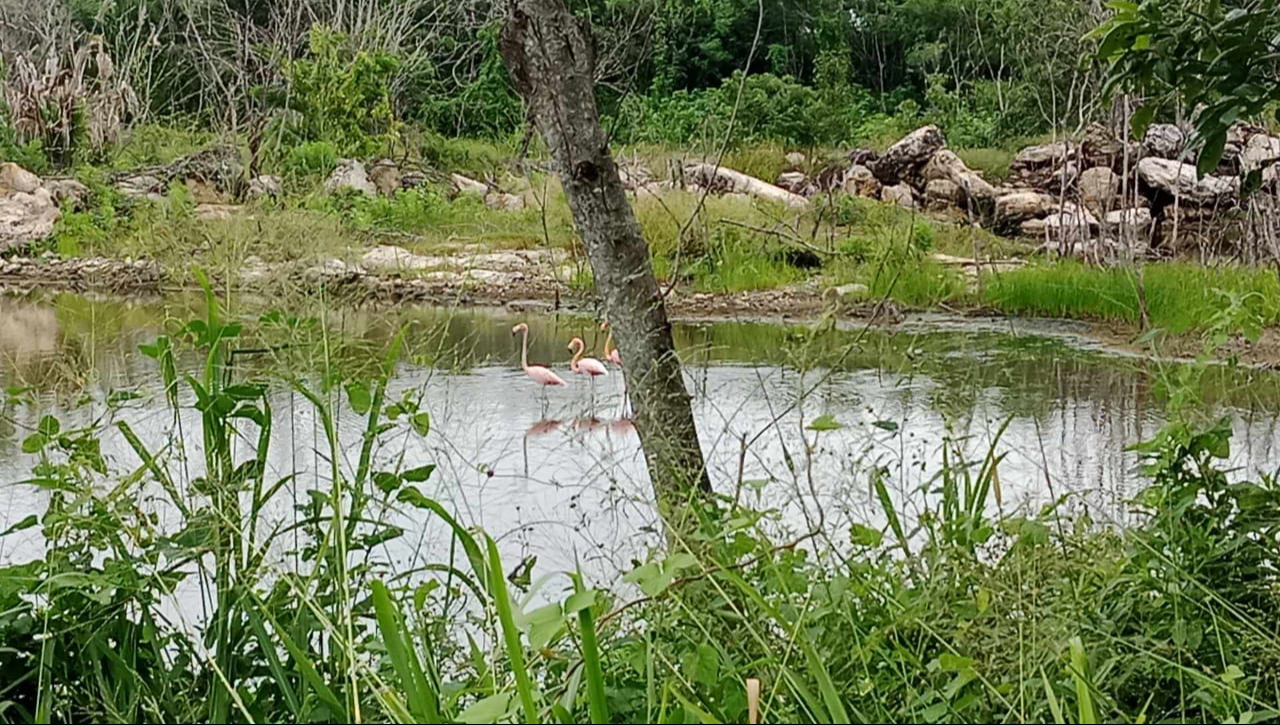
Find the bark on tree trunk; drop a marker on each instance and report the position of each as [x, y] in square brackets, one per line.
[551, 60]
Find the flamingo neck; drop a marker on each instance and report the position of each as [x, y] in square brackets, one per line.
[577, 355]
[608, 344]
[524, 350]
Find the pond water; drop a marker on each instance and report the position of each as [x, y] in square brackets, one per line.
[568, 485]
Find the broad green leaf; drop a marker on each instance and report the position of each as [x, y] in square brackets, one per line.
[861, 535]
[49, 426]
[419, 474]
[421, 423]
[34, 443]
[489, 710]
[580, 600]
[359, 397]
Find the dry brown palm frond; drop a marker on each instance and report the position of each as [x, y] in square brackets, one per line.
[69, 97]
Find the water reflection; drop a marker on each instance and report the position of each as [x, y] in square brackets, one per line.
[569, 485]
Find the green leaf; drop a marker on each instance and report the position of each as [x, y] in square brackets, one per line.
[542, 633]
[580, 600]
[34, 443]
[702, 665]
[386, 482]
[888, 425]
[421, 423]
[949, 662]
[489, 710]
[866, 536]
[1211, 153]
[28, 522]
[419, 474]
[49, 426]
[679, 560]
[423, 703]
[825, 423]
[1141, 120]
[359, 397]
[510, 634]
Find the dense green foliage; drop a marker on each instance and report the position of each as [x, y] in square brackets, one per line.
[836, 72]
[1209, 54]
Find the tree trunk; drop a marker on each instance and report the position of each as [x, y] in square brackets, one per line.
[550, 57]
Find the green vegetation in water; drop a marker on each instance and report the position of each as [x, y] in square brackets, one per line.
[965, 613]
[1180, 296]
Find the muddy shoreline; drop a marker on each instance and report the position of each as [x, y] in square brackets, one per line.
[350, 285]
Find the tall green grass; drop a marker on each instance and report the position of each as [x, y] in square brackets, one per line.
[1180, 296]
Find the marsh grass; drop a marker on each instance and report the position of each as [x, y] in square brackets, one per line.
[1181, 296]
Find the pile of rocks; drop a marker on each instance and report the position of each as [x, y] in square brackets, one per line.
[1098, 192]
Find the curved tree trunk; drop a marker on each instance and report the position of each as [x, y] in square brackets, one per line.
[550, 57]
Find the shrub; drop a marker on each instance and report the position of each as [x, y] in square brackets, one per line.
[341, 94]
[310, 158]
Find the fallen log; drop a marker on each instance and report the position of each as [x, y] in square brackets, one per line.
[721, 180]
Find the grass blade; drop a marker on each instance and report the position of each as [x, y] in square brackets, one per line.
[596, 702]
[268, 648]
[510, 634]
[423, 704]
[1084, 697]
[307, 669]
[1054, 707]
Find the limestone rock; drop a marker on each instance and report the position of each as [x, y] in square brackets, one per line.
[795, 182]
[1259, 152]
[859, 181]
[1098, 187]
[1100, 147]
[942, 194]
[863, 157]
[634, 174]
[27, 209]
[900, 194]
[1180, 180]
[266, 186]
[387, 258]
[1035, 166]
[412, 180]
[795, 159]
[465, 185]
[1129, 225]
[385, 175]
[349, 176]
[69, 191]
[972, 187]
[1164, 140]
[15, 179]
[140, 185]
[726, 181]
[903, 159]
[1013, 209]
[1061, 227]
[503, 201]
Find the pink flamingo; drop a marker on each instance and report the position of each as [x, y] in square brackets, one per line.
[586, 365]
[610, 352]
[539, 374]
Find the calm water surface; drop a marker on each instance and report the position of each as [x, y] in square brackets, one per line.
[568, 484]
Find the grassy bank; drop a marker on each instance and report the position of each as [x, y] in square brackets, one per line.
[966, 611]
[714, 244]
